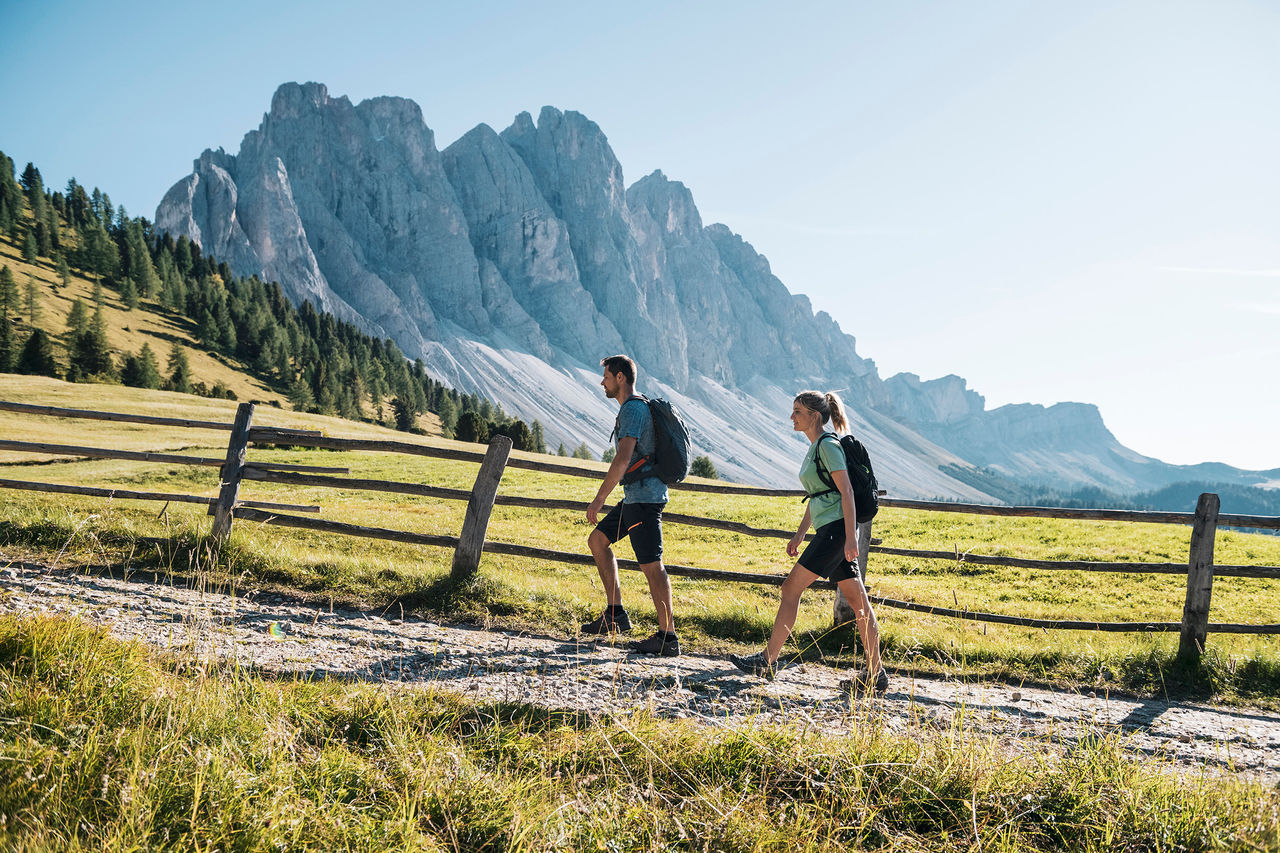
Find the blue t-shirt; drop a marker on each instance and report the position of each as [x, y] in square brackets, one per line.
[823, 509]
[635, 420]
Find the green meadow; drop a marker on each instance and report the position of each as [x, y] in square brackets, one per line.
[713, 617]
[107, 747]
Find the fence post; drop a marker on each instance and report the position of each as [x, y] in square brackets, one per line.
[1195, 613]
[843, 611]
[466, 558]
[231, 471]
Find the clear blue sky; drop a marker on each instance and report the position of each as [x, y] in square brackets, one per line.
[1071, 201]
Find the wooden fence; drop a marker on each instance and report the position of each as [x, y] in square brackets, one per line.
[468, 546]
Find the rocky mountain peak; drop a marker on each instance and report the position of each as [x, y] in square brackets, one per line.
[669, 203]
[512, 262]
[295, 99]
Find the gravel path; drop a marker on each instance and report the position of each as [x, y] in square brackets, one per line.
[281, 635]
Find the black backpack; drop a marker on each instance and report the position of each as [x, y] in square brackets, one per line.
[671, 445]
[866, 498]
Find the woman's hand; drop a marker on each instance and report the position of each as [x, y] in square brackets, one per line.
[793, 547]
[851, 550]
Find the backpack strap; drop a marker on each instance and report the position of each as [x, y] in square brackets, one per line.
[823, 474]
[617, 424]
[617, 420]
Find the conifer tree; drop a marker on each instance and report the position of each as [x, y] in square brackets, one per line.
[8, 350]
[77, 319]
[179, 369]
[325, 403]
[702, 466]
[37, 358]
[44, 245]
[448, 413]
[403, 414]
[141, 269]
[64, 271]
[8, 292]
[32, 302]
[32, 183]
[583, 452]
[207, 329]
[182, 256]
[55, 230]
[471, 427]
[33, 186]
[142, 370]
[90, 352]
[129, 294]
[300, 396]
[561, 451]
[538, 438]
[30, 251]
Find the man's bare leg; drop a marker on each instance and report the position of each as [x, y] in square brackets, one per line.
[660, 589]
[607, 566]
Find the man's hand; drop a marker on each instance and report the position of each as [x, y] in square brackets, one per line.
[593, 511]
[851, 550]
[793, 547]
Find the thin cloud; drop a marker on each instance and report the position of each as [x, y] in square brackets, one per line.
[1260, 307]
[1236, 271]
[821, 230]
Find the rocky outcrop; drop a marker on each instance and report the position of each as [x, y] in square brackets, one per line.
[512, 262]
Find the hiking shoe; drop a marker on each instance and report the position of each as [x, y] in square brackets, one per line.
[661, 644]
[864, 684]
[608, 622]
[756, 665]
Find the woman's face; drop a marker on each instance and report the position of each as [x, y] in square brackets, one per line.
[802, 417]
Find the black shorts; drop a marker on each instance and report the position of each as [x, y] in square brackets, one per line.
[824, 555]
[641, 522]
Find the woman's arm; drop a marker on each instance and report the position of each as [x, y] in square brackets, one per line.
[793, 547]
[841, 478]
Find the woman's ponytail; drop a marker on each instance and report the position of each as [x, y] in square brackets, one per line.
[836, 406]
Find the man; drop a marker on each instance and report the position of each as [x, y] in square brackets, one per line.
[638, 516]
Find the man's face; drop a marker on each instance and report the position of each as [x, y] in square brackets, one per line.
[610, 384]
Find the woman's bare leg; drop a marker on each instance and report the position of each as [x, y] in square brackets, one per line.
[796, 583]
[865, 618]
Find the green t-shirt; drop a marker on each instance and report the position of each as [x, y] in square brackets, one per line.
[823, 509]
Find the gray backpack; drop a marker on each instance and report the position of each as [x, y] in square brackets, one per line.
[669, 461]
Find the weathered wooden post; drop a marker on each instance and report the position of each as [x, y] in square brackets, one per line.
[232, 469]
[1195, 613]
[843, 611]
[466, 558]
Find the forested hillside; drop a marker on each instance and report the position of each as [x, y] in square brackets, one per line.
[62, 240]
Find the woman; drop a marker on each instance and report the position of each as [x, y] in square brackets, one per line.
[833, 553]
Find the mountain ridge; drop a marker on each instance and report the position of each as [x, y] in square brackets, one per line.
[513, 260]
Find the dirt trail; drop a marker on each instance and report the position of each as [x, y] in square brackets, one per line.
[280, 635]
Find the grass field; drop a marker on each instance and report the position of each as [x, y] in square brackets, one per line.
[109, 748]
[712, 616]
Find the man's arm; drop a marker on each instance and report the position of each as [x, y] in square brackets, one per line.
[618, 467]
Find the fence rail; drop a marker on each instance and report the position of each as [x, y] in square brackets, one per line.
[471, 543]
[130, 494]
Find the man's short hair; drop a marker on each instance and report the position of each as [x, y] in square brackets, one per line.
[616, 364]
